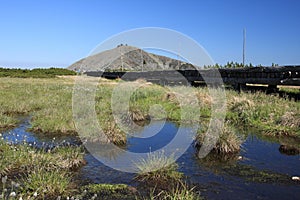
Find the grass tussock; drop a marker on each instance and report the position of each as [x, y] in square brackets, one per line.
[7, 121]
[228, 141]
[46, 184]
[180, 192]
[290, 119]
[158, 169]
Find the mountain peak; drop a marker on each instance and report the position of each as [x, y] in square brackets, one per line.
[127, 58]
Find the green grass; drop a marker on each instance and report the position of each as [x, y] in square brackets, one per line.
[46, 184]
[7, 121]
[159, 170]
[268, 113]
[289, 90]
[178, 193]
[36, 171]
[23, 159]
[49, 101]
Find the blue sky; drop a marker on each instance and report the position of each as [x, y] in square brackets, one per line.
[59, 32]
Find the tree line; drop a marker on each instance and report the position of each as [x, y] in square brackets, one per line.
[234, 65]
[35, 73]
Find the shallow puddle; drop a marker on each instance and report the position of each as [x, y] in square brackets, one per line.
[20, 135]
[263, 170]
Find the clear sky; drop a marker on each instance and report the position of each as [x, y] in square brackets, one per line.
[59, 32]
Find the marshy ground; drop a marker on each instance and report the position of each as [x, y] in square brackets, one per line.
[37, 173]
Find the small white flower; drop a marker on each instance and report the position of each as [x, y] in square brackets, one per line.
[12, 194]
[4, 179]
[21, 198]
[35, 194]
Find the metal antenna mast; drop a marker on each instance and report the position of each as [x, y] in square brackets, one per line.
[244, 46]
[121, 59]
[142, 60]
[178, 55]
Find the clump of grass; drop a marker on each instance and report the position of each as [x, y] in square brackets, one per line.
[227, 143]
[180, 192]
[290, 119]
[158, 169]
[241, 107]
[46, 184]
[7, 121]
[69, 157]
[177, 194]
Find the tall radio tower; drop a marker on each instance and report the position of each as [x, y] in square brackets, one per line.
[244, 46]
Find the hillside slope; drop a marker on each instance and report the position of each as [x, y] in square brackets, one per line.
[127, 58]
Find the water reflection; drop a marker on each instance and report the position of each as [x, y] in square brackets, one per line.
[20, 135]
[263, 172]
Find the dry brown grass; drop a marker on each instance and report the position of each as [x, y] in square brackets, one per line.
[290, 119]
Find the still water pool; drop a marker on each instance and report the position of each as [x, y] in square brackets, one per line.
[263, 170]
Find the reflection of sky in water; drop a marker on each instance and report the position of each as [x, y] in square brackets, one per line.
[145, 141]
[266, 155]
[21, 135]
[214, 182]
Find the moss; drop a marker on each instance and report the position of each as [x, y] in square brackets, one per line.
[251, 174]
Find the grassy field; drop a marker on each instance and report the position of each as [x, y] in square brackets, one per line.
[49, 102]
